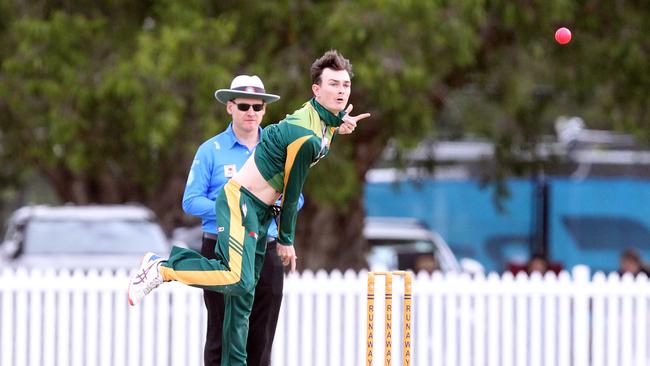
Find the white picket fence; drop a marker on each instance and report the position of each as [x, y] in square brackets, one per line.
[50, 318]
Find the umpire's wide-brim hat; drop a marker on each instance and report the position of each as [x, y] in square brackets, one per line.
[245, 86]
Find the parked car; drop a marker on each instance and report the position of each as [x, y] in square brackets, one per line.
[97, 236]
[192, 236]
[405, 243]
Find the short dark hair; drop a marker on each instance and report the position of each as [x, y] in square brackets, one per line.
[332, 59]
[631, 254]
[538, 256]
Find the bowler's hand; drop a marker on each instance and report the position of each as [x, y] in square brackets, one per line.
[350, 122]
[287, 254]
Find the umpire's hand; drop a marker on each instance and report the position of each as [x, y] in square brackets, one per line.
[287, 254]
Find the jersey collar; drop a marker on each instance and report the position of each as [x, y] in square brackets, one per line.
[328, 117]
[233, 138]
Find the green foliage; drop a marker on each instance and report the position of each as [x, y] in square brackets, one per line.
[523, 80]
[124, 90]
[82, 102]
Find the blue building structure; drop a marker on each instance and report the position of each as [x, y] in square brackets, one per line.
[589, 221]
[587, 218]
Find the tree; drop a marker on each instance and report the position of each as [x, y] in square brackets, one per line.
[108, 112]
[109, 100]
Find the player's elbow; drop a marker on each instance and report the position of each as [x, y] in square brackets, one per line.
[244, 286]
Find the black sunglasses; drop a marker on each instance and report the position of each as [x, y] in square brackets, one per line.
[245, 106]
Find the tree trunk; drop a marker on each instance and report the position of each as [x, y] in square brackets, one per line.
[327, 239]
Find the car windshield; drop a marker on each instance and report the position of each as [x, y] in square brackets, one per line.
[93, 237]
[405, 254]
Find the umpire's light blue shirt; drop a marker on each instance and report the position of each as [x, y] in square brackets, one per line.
[216, 161]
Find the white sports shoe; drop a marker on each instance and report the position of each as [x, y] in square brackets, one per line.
[146, 278]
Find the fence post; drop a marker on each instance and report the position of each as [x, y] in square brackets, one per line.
[581, 276]
[7, 334]
[640, 291]
[307, 286]
[550, 326]
[21, 320]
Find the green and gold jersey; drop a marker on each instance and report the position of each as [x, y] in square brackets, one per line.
[287, 150]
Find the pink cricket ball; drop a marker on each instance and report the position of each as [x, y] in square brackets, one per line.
[563, 35]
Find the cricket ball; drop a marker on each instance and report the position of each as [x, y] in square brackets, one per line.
[563, 35]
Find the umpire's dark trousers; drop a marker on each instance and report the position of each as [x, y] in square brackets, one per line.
[263, 318]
